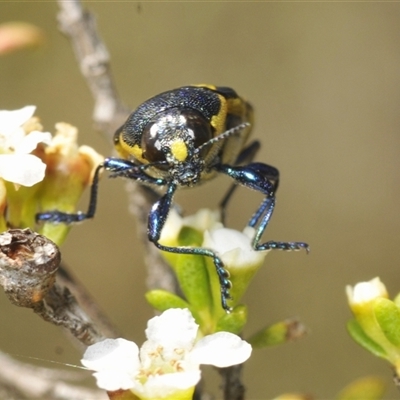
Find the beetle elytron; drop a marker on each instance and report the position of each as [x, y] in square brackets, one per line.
[181, 138]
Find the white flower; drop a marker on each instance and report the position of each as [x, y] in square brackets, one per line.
[202, 220]
[234, 247]
[16, 164]
[168, 362]
[364, 292]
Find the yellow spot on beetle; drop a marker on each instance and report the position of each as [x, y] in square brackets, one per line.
[179, 150]
[134, 151]
[218, 120]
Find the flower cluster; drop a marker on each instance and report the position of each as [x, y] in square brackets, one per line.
[40, 172]
[168, 364]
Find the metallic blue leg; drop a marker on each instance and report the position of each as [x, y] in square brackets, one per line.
[263, 178]
[245, 156]
[67, 218]
[117, 167]
[157, 217]
[267, 208]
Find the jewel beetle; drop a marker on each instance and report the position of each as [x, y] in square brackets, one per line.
[182, 138]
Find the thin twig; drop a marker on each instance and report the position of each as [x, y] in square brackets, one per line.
[23, 381]
[66, 279]
[61, 308]
[93, 58]
[232, 387]
[28, 267]
[159, 273]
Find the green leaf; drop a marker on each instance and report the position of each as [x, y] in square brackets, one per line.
[363, 340]
[190, 270]
[193, 279]
[55, 232]
[192, 275]
[234, 321]
[366, 388]
[279, 333]
[162, 300]
[388, 317]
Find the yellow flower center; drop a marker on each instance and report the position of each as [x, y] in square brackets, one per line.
[160, 364]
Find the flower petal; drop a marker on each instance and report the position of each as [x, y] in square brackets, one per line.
[173, 328]
[116, 355]
[31, 140]
[172, 227]
[23, 169]
[221, 349]
[204, 219]
[12, 120]
[364, 292]
[233, 246]
[114, 380]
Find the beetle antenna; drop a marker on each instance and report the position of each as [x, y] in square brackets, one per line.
[224, 135]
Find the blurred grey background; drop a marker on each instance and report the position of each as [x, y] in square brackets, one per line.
[324, 79]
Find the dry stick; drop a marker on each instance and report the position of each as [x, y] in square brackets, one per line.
[86, 302]
[28, 269]
[232, 387]
[20, 381]
[93, 59]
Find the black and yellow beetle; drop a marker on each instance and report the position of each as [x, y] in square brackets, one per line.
[182, 138]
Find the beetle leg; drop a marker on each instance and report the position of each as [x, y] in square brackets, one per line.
[118, 167]
[157, 217]
[263, 178]
[68, 218]
[245, 156]
[128, 169]
[265, 212]
[248, 153]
